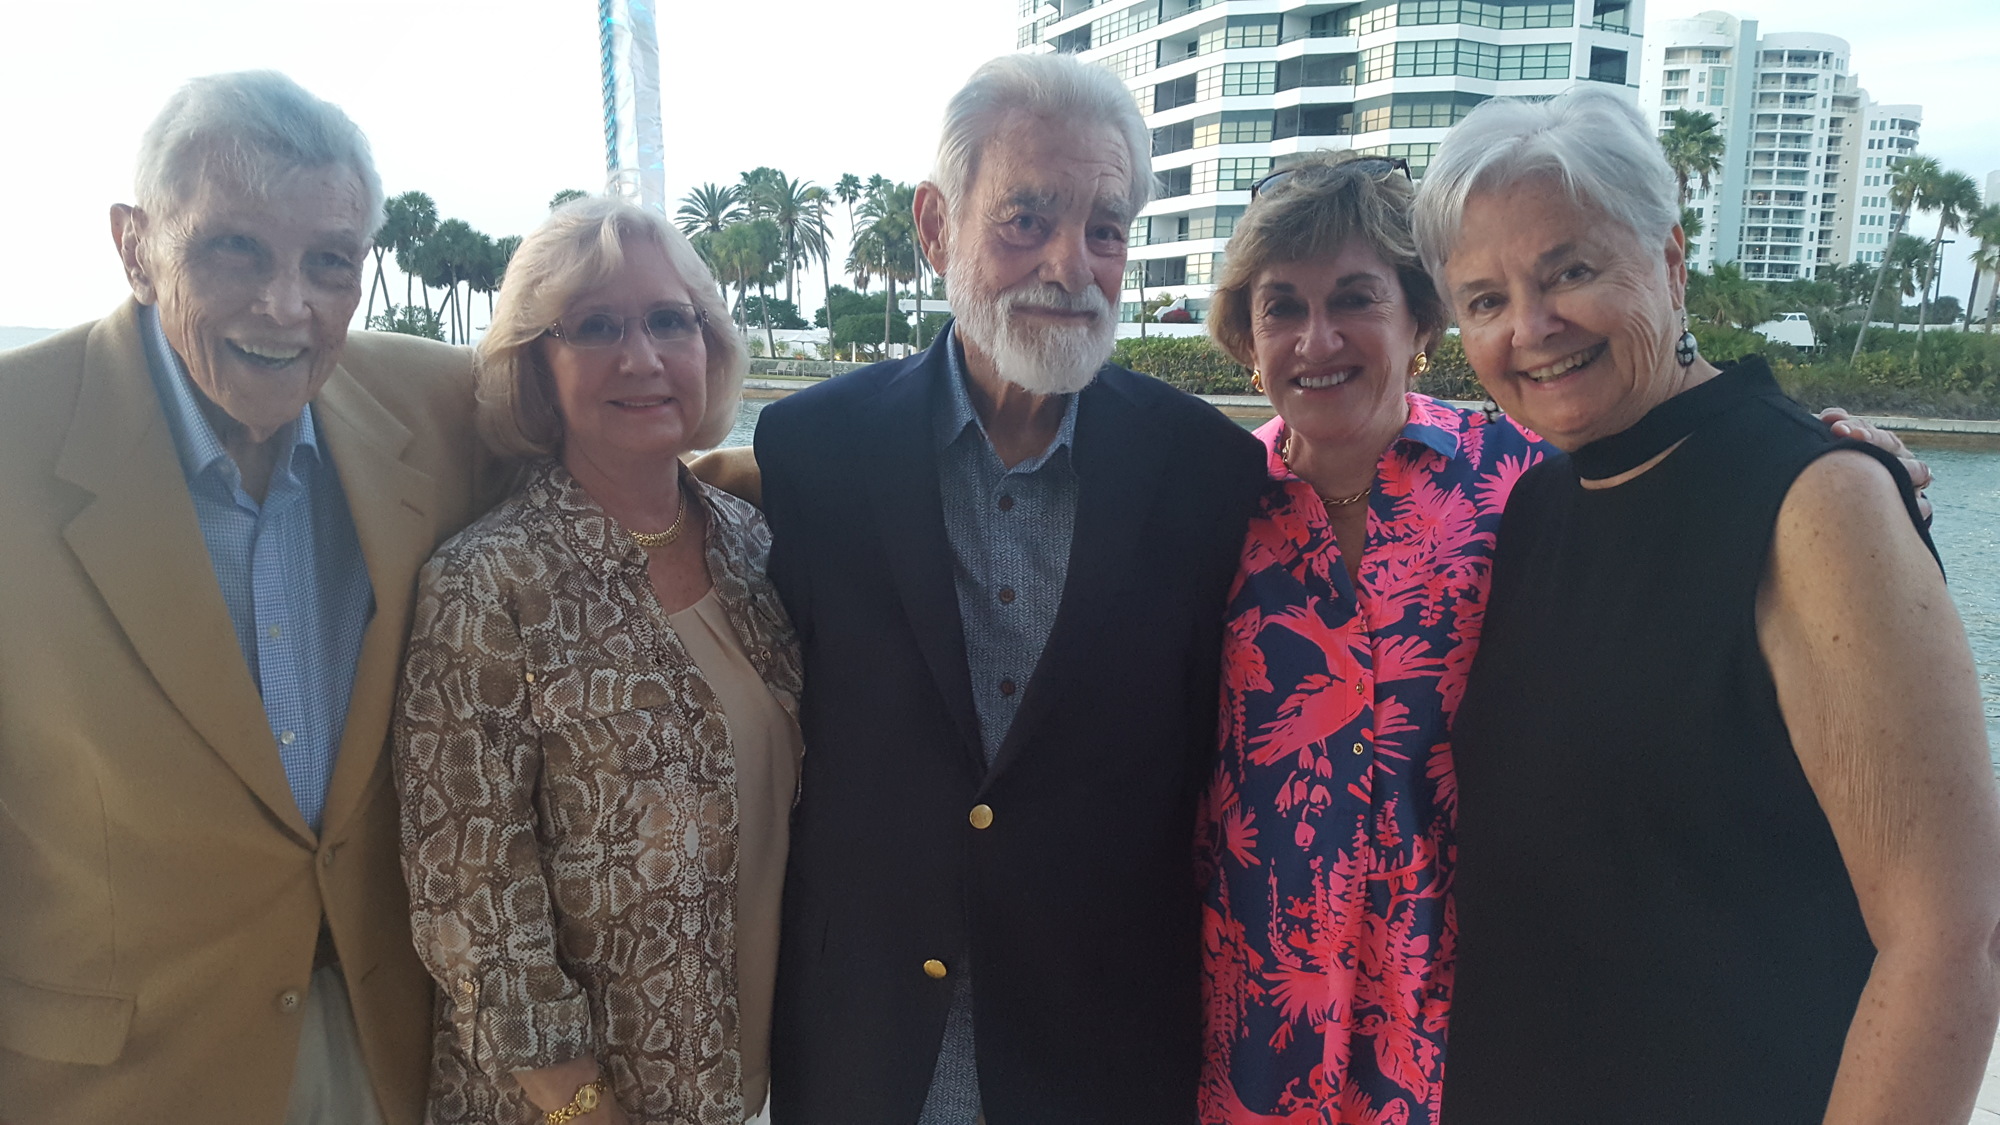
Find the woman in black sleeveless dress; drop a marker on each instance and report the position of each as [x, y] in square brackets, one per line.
[1728, 830]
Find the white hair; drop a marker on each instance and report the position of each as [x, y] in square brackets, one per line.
[252, 126]
[1587, 140]
[1056, 87]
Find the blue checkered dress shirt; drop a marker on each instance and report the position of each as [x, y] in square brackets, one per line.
[1009, 532]
[291, 573]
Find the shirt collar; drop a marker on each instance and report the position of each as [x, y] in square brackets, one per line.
[1431, 424]
[195, 439]
[958, 413]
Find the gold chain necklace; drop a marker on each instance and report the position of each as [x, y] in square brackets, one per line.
[654, 540]
[1285, 455]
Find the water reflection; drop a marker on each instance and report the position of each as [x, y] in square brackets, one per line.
[1967, 497]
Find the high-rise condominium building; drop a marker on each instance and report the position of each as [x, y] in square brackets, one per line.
[1806, 156]
[1231, 88]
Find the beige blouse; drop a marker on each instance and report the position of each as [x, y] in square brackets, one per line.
[766, 739]
[576, 837]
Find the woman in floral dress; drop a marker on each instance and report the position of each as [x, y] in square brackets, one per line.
[1327, 832]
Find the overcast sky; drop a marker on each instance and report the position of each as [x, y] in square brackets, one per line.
[492, 106]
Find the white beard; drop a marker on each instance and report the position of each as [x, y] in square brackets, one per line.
[1055, 360]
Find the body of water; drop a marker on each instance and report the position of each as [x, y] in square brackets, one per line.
[1967, 531]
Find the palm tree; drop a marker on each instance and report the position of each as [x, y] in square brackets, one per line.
[790, 204]
[891, 235]
[1909, 180]
[408, 219]
[1693, 148]
[847, 189]
[1982, 226]
[1907, 261]
[1724, 296]
[746, 253]
[820, 246]
[1953, 195]
[708, 208]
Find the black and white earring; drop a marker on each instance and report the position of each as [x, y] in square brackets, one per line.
[1684, 348]
[1492, 411]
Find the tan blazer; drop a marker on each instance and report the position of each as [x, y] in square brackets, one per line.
[160, 894]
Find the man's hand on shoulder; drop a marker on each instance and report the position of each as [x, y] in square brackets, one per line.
[733, 471]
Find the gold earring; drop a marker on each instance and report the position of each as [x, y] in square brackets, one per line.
[1257, 381]
[1421, 364]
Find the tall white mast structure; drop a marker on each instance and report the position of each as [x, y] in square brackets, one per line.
[629, 56]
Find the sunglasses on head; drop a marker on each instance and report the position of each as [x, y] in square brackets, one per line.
[1366, 165]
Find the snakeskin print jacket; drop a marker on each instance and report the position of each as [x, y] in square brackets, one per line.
[569, 808]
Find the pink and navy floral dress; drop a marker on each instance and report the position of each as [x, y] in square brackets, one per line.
[1327, 840]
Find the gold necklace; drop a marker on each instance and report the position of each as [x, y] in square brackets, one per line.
[1285, 455]
[654, 540]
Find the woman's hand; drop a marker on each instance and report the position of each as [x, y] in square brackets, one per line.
[1847, 425]
[1882, 702]
[553, 1087]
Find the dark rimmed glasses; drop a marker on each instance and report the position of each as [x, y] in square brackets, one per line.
[1367, 165]
[668, 324]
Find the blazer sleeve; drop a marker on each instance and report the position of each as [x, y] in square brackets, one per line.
[467, 759]
[785, 513]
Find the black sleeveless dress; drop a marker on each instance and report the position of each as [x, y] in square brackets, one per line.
[1655, 924]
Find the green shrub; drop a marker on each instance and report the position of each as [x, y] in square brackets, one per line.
[1190, 363]
[1450, 376]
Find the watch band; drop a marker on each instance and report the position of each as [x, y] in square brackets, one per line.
[583, 1101]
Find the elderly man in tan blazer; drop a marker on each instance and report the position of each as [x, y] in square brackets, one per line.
[214, 505]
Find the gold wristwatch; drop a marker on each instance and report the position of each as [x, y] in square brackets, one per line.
[585, 1100]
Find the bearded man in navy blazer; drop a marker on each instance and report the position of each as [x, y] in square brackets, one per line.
[1007, 562]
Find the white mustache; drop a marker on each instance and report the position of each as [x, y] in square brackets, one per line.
[1054, 298]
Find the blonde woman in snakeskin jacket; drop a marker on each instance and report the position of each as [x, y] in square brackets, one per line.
[596, 742]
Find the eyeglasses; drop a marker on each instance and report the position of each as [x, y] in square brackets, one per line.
[668, 324]
[1367, 165]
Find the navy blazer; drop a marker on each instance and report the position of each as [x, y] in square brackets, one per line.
[1078, 903]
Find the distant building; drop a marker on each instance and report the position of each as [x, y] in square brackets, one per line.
[1807, 153]
[1232, 88]
[1982, 298]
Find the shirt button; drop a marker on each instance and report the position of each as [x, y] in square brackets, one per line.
[1358, 691]
[288, 1001]
[1007, 687]
[935, 969]
[288, 738]
[274, 632]
[981, 816]
[1006, 503]
[1006, 595]
[326, 855]
[1357, 748]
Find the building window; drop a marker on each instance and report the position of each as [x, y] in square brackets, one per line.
[1313, 121]
[1609, 66]
[1478, 13]
[1179, 92]
[1249, 78]
[1541, 60]
[1201, 269]
[1131, 21]
[1232, 173]
[1220, 224]
[1414, 111]
[1418, 156]
[1233, 129]
[1175, 181]
[1130, 63]
[1173, 138]
[1241, 31]
[1165, 271]
[1316, 70]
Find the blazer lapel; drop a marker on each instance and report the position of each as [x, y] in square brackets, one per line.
[909, 508]
[140, 543]
[393, 505]
[1118, 458]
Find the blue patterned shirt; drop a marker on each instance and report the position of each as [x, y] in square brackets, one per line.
[291, 573]
[1009, 531]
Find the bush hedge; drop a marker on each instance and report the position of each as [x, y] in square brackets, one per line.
[1957, 376]
[1197, 366]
